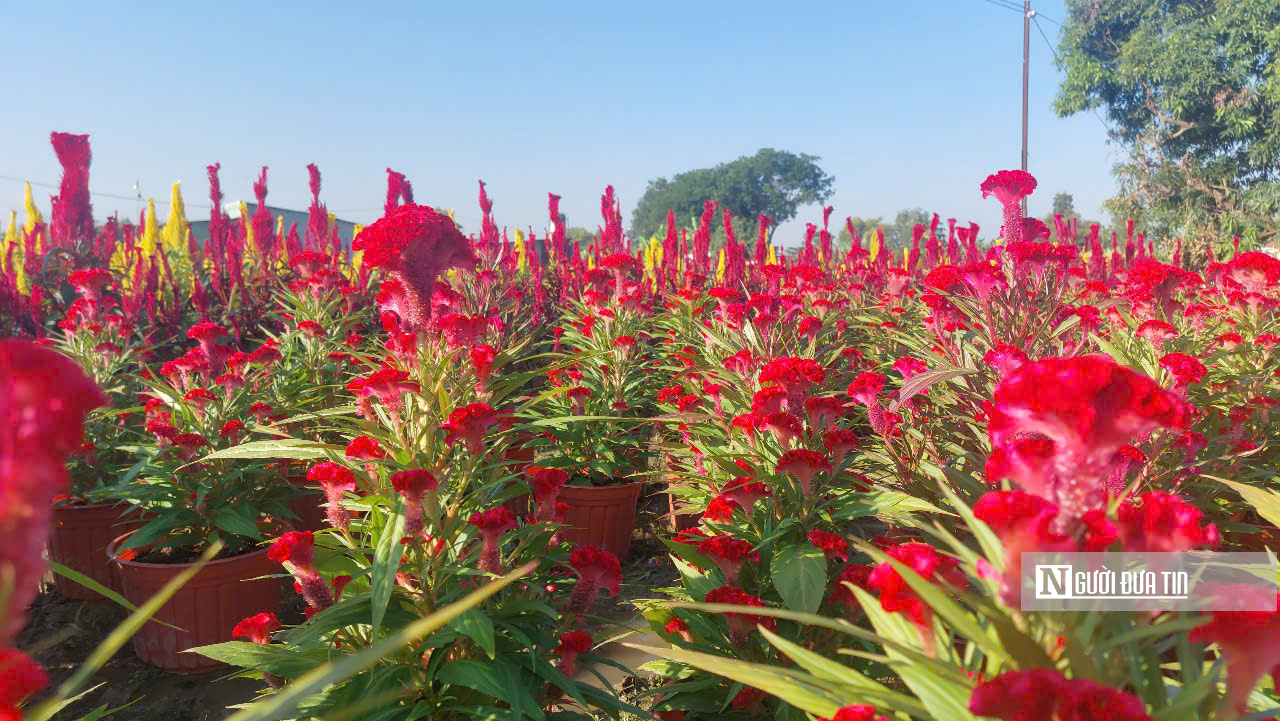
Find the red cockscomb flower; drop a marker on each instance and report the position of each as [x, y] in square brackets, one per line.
[1010, 187]
[1247, 630]
[839, 443]
[571, 644]
[859, 712]
[334, 480]
[1055, 424]
[794, 376]
[804, 464]
[20, 677]
[1045, 694]
[261, 411]
[1022, 521]
[546, 484]
[1161, 522]
[866, 387]
[833, 546]
[729, 554]
[89, 282]
[414, 243]
[1185, 369]
[740, 624]
[492, 524]
[469, 424]
[296, 551]
[257, 629]
[364, 448]
[231, 431]
[482, 357]
[896, 596]
[413, 484]
[388, 384]
[596, 569]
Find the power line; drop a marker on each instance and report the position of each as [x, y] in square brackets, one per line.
[1003, 4]
[1035, 19]
[99, 194]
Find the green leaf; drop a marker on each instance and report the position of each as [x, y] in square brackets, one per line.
[475, 675]
[800, 575]
[284, 703]
[1111, 350]
[921, 381]
[796, 688]
[150, 533]
[825, 669]
[697, 583]
[1265, 502]
[386, 562]
[236, 522]
[286, 661]
[892, 504]
[298, 449]
[476, 625]
[117, 638]
[98, 588]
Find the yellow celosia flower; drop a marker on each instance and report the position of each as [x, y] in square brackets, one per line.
[519, 251]
[33, 213]
[174, 235]
[773, 255]
[150, 231]
[358, 256]
[250, 247]
[720, 267]
[10, 239]
[874, 245]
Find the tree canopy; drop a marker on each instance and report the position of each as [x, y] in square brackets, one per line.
[1192, 90]
[773, 182]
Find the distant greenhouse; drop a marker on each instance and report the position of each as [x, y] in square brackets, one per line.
[346, 228]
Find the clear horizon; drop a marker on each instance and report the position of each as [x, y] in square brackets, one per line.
[908, 104]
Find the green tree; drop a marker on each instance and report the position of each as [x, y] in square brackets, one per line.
[898, 234]
[1191, 90]
[1064, 205]
[773, 182]
[865, 227]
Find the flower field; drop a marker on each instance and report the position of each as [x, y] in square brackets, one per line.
[440, 441]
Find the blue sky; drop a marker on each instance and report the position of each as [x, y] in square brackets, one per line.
[908, 102]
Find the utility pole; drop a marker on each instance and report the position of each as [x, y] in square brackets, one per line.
[1027, 14]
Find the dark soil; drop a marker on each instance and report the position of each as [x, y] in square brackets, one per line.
[61, 633]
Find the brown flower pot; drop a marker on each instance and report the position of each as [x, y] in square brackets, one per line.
[207, 608]
[308, 507]
[602, 516]
[1259, 541]
[677, 518]
[521, 506]
[79, 541]
[519, 454]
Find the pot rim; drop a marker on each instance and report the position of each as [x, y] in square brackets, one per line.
[89, 506]
[111, 556]
[611, 486]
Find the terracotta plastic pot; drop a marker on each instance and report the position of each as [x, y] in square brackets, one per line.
[79, 541]
[521, 506]
[677, 518]
[308, 507]
[602, 516]
[1259, 541]
[207, 608]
